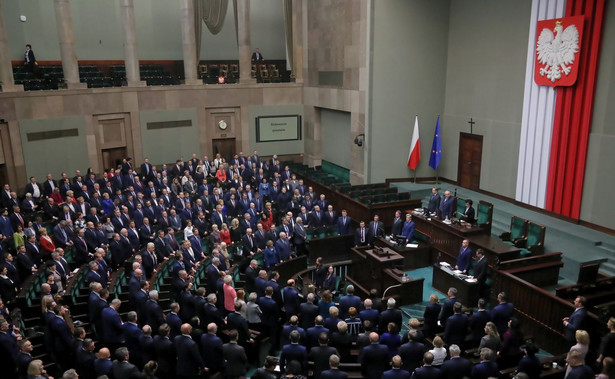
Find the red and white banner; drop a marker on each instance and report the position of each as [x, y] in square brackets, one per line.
[415, 147]
[558, 49]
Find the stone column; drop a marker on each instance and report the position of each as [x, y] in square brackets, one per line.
[131, 58]
[243, 42]
[6, 69]
[70, 66]
[298, 33]
[189, 43]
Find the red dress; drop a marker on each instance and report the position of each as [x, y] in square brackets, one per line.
[225, 236]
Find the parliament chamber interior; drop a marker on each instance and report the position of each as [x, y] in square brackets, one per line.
[235, 189]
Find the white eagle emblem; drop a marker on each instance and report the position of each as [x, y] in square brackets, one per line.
[557, 51]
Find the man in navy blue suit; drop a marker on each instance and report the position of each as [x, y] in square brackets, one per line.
[408, 228]
[447, 307]
[343, 223]
[456, 367]
[478, 321]
[501, 313]
[294, 352]
[396, 372]
[456, 327]
[189, 360]
[374, 357]
[270, 317]
[487, 368]
[347, 301]
[434, 200]
[333, 372]
[427, 371]
[576, 321]
[464, 259]
[411, 352]
[446, 205]
[211, 350]
[111, 325]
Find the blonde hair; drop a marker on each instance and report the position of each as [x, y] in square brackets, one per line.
[433, 298]
[35, 367]
[438, 342]
[492, 330]
[582, 337]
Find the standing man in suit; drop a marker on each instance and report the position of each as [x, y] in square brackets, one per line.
[235, 357]
[376, 229]
[447, 308]
[299, 237]
[501, 313]
[374, 357]
[456, 327]
[396, 372]
[576, 321]
[361, 235]
[464, 260]
[343, 223]
[398, 224]
[257, 56]
[456, 367]
[29, 59]
[189, 359]
[480, 272]
[446, 205]
[434, 200]
[408, 228]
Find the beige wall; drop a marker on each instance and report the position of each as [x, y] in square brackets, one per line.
[133, 107]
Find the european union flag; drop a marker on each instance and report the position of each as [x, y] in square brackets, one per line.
[436, 148]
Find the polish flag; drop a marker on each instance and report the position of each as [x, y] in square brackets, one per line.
[415, 148]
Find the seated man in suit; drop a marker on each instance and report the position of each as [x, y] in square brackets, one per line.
[468, 213]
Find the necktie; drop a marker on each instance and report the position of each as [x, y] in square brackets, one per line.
[362, 235]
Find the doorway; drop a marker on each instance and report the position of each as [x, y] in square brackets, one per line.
[112, 158]
[470, 157]
[223, 146]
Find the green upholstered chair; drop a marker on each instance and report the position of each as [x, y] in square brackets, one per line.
[484, 215]
[309, 234]
[391, 197]
[332, 231]
[367, 200]
[461, 206]
[379, 198]
[403, 196]
[518, 230]
[535, 241]
[320, 232]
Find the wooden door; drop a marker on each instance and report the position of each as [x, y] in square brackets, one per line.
[112, 158]
[223, 146]
[470, 156]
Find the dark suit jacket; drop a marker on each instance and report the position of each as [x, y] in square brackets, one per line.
[396, 374]
[455, 368]
[447, 310]
[374, 360]
[165, 355]
[456, 329]
[427, 372]
[126, 369]
[500, 315]
[446, 207]
[320, 356]
[188, 357]
[477, 325]
[111, 325]
[236, 360]
[411, 354]
[480, 270]
[576, 321]
[294, 352]
[333, 374]
[367, 239]
[434, 202]
[484, 370]
[389, 315]
[343, 228]
[211, 350]
[398, 224]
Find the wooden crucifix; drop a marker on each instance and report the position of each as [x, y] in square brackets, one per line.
[471, 122]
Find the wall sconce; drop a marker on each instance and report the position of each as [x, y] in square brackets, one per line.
[359, 139]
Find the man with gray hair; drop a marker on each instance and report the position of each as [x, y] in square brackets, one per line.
[347, 301]
[487, 368]
[391, 314]
[150, 261]
[153, 312]
[308, 312]
[456, 367]
[122, 368]
[70, 374]
[111, 325]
